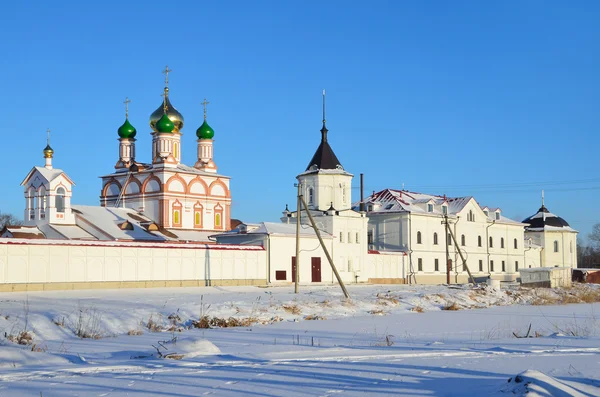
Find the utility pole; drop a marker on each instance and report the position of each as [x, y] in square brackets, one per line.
[297, 261]
[314, 225]
[461, 256]
[448, 266]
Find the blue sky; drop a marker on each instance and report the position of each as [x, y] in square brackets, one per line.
[497, 100]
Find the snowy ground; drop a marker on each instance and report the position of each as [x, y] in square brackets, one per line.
[387, 340]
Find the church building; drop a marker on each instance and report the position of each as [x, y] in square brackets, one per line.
[159, 200]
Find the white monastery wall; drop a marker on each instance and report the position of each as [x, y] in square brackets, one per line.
[60, 264]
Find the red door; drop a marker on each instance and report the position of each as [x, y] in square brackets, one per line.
[293, 269]
[316, 269]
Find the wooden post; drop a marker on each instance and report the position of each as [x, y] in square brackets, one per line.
[448, 267]
[314, 225]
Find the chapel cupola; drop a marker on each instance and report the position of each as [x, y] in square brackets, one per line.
[48, 152]
[205, 136]
[127, 134]
[324, 158]
[324, 182]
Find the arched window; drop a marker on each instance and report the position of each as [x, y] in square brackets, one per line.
[555, 245]
[198, 215]
[418, 237]
[218, 216]
[491, 242]
[176, 211]
[516, 244]
[471, 216]
[501, 242]
[479, 241]
[310, 195]
[435, 239]
[462, 240]
[60, 199]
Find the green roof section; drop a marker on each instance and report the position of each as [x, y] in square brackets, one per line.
[127, 131]
[205, 132]
[164, 125]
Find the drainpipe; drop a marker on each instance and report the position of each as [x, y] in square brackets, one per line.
[411, 272]
[487, 244]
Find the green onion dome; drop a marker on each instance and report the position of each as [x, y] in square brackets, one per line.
[164, 124]
[205, 132]
[127, 130]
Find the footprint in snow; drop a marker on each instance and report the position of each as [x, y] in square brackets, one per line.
[131, 383]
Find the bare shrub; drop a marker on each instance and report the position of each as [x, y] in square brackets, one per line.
[39, 348]
[88, 323]
[451, 306]
[292, 309]
[60, 321]
[385, 340]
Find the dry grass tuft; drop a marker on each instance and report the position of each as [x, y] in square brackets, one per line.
[377, 312]
[387, 300]
[589, 295]
[314, 317]
[134, 332]
[451, 306]
[220, 322]
[566, 299]
[292, 309]
[22, 338]
[417, 309]
[153, 326]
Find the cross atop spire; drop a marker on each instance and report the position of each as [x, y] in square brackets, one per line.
[165, 94]
[166, 73]
[542, 197]
[204, 104]
[127, 102]
[48, 136]
[324, 129]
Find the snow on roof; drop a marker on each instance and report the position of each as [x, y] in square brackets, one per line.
[197, 236]
[72, 232]
[49, 174]
[107, 221]
[28, 232]
[278, 229]
[391, 200]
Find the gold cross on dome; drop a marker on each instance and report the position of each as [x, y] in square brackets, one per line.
[166, 73]
[48, 136]
[165, 94]
[204, 104]
[127, 102]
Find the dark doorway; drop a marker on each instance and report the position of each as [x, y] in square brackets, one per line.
[316, 269]
[293, 269]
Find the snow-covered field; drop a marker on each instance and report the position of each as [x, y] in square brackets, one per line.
[387, 340]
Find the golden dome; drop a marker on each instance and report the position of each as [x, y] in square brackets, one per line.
[172, 113]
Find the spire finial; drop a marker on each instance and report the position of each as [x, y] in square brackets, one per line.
[165, 94]
[204, 104]
[166, 73]
[324, 129]
[542, 197]
[48, 136]
[323, 108]
[127, 102]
